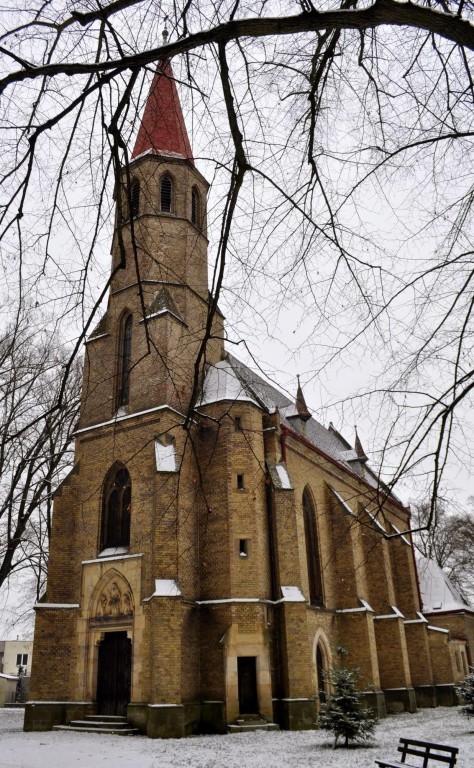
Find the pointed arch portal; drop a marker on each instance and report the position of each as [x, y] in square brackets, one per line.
[114, 674]
[112, 608]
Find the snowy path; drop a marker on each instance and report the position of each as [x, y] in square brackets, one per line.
[301, 749]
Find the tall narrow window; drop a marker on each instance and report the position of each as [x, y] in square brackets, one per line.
[195, 213]
[320, 668]
[135, 199]
[312, 550]
[117, 502]
[125, 362]
[166, 194]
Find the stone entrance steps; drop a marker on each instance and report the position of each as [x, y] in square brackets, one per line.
[100, 724]
[245, 723]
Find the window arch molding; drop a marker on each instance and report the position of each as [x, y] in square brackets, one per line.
[124, 359]
[116, 507]
[166, 193]
[313, 558]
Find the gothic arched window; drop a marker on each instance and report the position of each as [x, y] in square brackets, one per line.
[166, 194]
[116, 505]
[135, 199]
[312, 550]
[125, 362]
[195, 207]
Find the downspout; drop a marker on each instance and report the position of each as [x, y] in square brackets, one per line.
[283, 443]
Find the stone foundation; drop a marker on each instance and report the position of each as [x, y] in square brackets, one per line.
[425, 695]
[446, 696]
[376, 701]
[400, 700]
[43, 715]
[295, 714]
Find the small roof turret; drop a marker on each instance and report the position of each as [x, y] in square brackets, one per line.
[361, 455]
[162, 130]
[300, 410]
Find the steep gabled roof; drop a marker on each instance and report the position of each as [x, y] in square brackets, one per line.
[163, 303]
[438, 593]
[162, 130]
[232, 380]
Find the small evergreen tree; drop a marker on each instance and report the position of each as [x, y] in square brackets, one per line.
[466, 692]
[345, 715]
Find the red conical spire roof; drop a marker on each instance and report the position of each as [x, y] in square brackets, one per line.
[162, 130]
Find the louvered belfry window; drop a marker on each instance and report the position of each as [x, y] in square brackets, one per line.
[135, 199]
[166, 194]
[195, 206]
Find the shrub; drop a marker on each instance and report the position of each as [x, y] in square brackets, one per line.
[345, 714]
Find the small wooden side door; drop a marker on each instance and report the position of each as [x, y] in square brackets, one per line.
[247, 679]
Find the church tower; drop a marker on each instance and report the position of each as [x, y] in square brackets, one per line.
[125, 532]
[147, 342]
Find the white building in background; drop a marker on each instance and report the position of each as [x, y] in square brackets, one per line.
[13, 654]
[16, 653]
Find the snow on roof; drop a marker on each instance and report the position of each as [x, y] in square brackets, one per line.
[343, 502]
[438, 593]
[165, 455]
[292, 595]
[250, 386]
[377, 520]
[349, 455]
[166, 588]
[279, 475]
[284, 476]
[222, 383]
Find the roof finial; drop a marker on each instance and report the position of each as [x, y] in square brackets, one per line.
[165, 33]
[361, 455]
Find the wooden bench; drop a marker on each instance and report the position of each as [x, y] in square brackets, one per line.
[425, 750]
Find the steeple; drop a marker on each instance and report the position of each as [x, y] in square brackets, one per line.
[162, 130]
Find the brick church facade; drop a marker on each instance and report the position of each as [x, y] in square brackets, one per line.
[203, 574]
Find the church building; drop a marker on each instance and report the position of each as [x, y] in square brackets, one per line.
[214, 544]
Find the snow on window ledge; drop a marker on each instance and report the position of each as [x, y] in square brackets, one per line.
[112, 551]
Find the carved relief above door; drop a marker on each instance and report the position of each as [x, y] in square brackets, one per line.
[113, 601]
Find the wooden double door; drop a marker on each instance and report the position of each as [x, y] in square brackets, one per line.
[114, 674]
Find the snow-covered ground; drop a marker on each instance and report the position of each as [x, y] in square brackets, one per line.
[300, 749]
